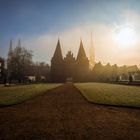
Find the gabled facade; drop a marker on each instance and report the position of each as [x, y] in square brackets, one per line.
[69, 67]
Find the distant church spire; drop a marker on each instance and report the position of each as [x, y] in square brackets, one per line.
[81, 52]
[10, 44]
[91, 54]
[10, 49]
[19, 43]
[58, 53]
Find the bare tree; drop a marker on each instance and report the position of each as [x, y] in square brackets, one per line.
[19, 60]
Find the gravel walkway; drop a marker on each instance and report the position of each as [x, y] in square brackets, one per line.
[64, 114]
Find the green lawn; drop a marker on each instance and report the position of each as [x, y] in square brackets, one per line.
[17, 94]
[110, 94]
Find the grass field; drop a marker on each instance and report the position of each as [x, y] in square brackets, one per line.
[110, 94]
[17, 94]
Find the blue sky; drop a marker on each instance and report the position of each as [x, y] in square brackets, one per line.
[28, 19]
[36, 16]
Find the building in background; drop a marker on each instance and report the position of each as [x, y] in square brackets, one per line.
[1, 69]
[91, 54]
[57, 65]
[69, 67]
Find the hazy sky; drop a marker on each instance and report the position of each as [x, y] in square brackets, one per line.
[38, 23]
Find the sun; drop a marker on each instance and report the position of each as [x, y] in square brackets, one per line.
[125, 36]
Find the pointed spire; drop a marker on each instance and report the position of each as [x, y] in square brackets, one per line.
[19, 43]
[81, 52]
[11, 44]
[91, 54]
[58, 53]
[10, 49]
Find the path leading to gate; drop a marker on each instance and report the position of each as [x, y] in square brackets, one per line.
[63, 113]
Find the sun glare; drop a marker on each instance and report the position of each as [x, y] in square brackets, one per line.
[125, 36]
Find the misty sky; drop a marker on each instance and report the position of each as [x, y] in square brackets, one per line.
[38, 23]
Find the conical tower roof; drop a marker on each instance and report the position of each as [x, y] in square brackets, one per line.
[58, 53]
[81, 52]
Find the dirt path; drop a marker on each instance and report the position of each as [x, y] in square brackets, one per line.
[64, 114]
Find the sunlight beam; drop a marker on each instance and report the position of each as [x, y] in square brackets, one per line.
[125, 36]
